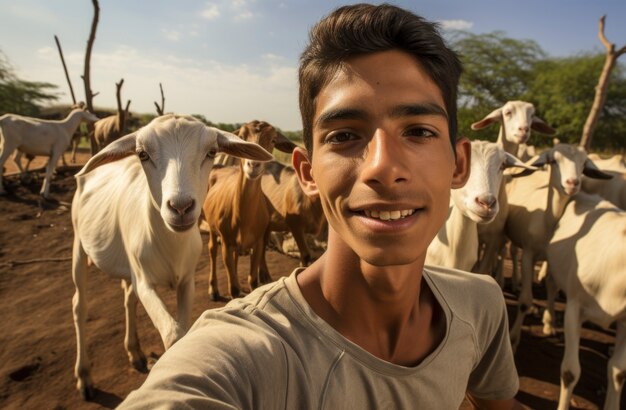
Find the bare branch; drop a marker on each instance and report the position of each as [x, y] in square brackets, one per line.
[603, 39]
[160, 109]
[118, 94]
[601, 88]
[67, 76]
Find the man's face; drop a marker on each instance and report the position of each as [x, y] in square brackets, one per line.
[382, 162]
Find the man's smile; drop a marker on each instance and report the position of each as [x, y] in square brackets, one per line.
[388, 215]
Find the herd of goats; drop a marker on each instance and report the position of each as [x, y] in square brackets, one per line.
[137, 220]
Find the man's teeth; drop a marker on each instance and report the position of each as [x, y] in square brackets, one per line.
[388, 215]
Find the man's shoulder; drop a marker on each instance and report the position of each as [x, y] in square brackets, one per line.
[463, 282]
[470, 296]
[250, 312]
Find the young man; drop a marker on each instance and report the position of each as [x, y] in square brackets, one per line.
[367, 325]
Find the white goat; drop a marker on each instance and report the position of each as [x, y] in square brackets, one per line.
[587, 260]
[135, 216]
[613, 190]
[535, 205]
[616, 162]
[516, 119]
[39, 137]
[456, 244]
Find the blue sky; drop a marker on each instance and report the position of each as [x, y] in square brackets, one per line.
[234, 61]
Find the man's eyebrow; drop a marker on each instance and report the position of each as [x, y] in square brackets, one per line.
[409, 110]
[341, 114]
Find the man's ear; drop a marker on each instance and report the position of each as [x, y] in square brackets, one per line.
[301, 163]
[463, 149]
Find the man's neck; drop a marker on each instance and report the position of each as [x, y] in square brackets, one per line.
[388, 311]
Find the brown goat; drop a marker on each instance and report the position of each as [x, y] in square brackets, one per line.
[293, 210]
[236, 210]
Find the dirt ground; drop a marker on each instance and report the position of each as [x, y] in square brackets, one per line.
[37, 341]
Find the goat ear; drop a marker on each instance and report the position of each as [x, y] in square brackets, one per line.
[543, 159]
[592, 171]
[541, 126]
[115, 151]
[231, 144]
[495, 115]
[512, 161]
[284, 144]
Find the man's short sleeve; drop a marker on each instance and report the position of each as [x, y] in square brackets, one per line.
[223, 363]
[495, 376]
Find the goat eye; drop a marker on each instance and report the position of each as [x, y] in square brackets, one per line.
[143, 155]
[503, 166]
[212, 153]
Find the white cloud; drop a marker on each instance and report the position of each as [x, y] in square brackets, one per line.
[244, 15]
[242, 9]
[210, 12]
[456, 24]
[230, 93]
[172, 35]
[272, 58]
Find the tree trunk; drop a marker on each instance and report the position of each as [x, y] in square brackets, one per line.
[86, 76]
[601, 88]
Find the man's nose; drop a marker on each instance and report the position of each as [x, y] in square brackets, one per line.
[384, 161]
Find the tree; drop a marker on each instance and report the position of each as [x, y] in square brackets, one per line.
[496, 69]
[564, 88]
[19, 96]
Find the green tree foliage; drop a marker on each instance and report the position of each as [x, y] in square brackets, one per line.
[564, 88]
[19, 96]
[496, 68]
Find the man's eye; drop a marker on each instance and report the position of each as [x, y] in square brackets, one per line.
[339, 137]
[420, 132]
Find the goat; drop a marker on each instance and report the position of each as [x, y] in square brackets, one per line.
[238, 212]
[517, 119]
[34, 136]
[535, 205]
[292, 210]
[591, 270]
[456, 243]
[135, 216]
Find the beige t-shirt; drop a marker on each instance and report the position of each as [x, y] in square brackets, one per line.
[269, 350]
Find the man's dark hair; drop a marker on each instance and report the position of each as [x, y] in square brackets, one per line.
[361, 29]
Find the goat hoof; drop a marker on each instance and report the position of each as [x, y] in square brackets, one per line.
[141, 365]
[87, 392]
[214, 297]
[235, 292]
